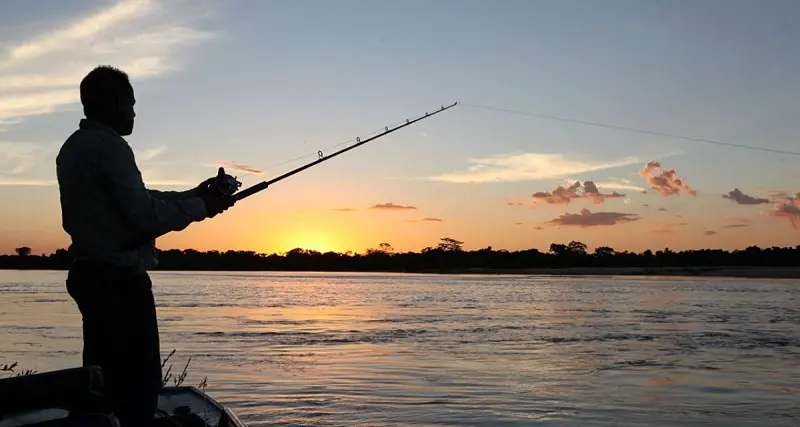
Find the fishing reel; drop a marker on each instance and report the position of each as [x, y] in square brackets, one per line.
[224, 184]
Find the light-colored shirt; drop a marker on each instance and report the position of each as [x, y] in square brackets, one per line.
[105, 204]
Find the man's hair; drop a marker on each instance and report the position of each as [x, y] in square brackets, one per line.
[100, 87]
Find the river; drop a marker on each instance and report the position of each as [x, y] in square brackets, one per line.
[321, 349]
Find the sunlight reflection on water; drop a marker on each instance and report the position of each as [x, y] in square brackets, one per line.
[390, 350]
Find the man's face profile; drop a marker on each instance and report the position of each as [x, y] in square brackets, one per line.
[125, 111]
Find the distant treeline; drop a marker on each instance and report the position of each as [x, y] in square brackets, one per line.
[447, 256]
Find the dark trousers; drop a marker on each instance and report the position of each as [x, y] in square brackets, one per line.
[120, 334]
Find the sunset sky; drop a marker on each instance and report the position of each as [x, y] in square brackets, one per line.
[259, 83]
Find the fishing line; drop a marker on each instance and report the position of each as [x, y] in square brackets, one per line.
[325, 149]
[629, 129]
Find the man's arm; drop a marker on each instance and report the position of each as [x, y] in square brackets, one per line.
[173, 195]
[198, 191]
[148, 215]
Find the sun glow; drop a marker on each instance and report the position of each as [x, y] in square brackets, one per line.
[313, 240]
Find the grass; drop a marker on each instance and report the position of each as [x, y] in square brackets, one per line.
[178, 381]
[166, 376]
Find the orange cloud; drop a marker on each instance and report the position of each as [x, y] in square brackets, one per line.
[589, 219]
[243, 168]
[709, 233]
[563, 195]
[743, 199]
[788, 208]
[666, 182]
[344, 209]
[392, 207]
[432, 219]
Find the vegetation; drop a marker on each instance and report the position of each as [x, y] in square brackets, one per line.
[447, 256]
[11, 369]
[166, 376]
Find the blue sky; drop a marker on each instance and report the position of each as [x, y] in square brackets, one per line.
[259, 83]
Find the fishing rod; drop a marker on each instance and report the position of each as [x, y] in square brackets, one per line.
[227, 185]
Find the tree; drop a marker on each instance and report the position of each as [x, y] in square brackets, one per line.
[23, 251]
[450, 245]
[386, 248]
[578, 248]
[603, 251]
[558, 248]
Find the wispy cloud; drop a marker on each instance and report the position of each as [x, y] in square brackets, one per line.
[392, 207]
[18, 157]
[143, 37]
[527, 167]
[709, 233]
[22, 182]
[621, 184]
[668, 227]
[426, 220]
[593, 219]
[743, 199]
[150, 153]
[740, 225]
[19, 161]
[242, 168]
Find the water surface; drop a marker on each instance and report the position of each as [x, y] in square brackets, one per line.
[316, 349]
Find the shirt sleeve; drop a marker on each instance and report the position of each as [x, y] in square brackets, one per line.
[171, 195]
[147, 215]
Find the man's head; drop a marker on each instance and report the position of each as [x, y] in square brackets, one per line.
[107, 96]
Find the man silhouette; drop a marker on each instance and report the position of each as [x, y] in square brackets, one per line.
[105, 206]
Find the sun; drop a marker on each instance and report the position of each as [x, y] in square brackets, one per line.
[312, 240]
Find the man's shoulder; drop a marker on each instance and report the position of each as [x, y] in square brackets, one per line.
[91, 140]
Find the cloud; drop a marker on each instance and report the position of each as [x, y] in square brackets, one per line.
[662, 209]
[622, 184]
[563, 195]
[788, 208]
[743, 199]
[150, 153]
[392, 207]
[527, 167]
[18, 157]
[709, 233]
[668, 227]
[666, 182]
[18, 161]
[41, 74]
[11, 182]
[588, 219]
[243, 168]
[741, 225]
[426, 220]
[344, 209]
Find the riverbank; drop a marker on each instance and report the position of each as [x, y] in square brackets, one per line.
[704, 271]
[696, 271]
